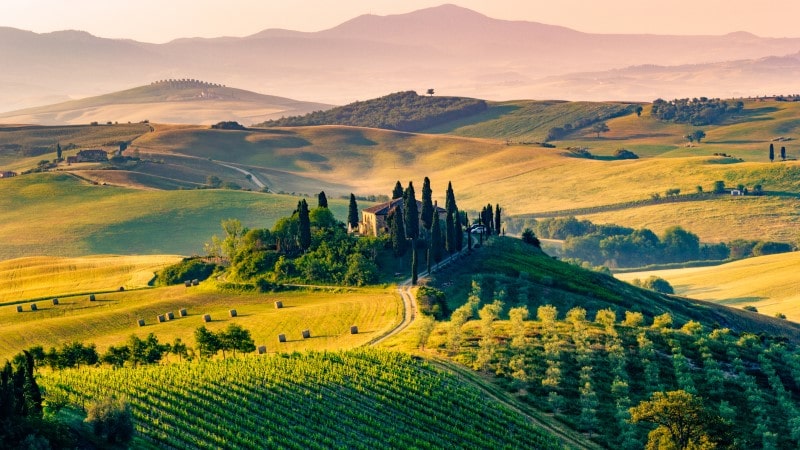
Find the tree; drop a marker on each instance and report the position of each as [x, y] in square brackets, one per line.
[352, 213]
[58, 151]
[771, 152]
[304, 230]
[529, 238]
[426, 326]
[112, 420]
[397, 230]
[683, 422]
[234, 338]
[232, 243]
[497, 228]
[600, 127]
[450, 233]
[719, 187]
[698, 135]
[429, 92]
[639, 111]
[414, 264]
[426, 215]
[208, 343]
[322, 200]
[410, 213]
[436, 239]
[397, 192]
[783, 153]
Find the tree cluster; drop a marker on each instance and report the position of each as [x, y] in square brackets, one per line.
[696, 111]
[228, 125]
[233, 338]
[402, 111]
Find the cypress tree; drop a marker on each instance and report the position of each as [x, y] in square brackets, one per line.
[783, 153]
[436, 239]
[426, 215]
[459, 231]
[398, 231]
[58, 151]
[414, 265]
[304, 224]
[497, 219]
[489, 221]
[352, 213]
[322, 200]
[410, 212]
[450, 199]
[398, 190]
[771, 152]
[450, 233]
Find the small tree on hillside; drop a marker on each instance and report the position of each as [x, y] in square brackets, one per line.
[719, 187]
[771, 152]
[322, 200]
[436, 239]
[639, 111]
[600, 127]
[58, 151]
[683, 422]
[699, 135]
[783, 153]
[429, 92]
[352, 213]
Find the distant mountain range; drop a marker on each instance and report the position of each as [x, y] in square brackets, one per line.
[451, 49]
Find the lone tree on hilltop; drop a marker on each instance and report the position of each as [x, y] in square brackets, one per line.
[352, 213]
[429, 92]
[771, 152]
[600, 127]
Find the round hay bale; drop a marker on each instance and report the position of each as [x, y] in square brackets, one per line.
[170, 316]
[281, 338]
[55, 301]
[278, 304]
[92, 298]
[161, 318]
[195, 282]
[206, 317]
[232, 312]
[306, 334]
[121, 288]
[187, 283]
[354, 330]
[34, 307]
[19, 308]
[262, 349]
[140, 322]
[183, 312]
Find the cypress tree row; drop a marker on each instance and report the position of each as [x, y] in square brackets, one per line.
[352, 213]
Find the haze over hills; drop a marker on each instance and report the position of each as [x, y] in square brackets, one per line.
[454, 50]
[167, 101]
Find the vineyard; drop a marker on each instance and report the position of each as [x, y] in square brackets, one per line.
[362, 398]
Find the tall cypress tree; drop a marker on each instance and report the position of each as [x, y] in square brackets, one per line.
[426, 215]
[414, 265]
[450, 199]
[771, 152]
[450, 233]
[459, 230]
[398, 190]
[489, 219]
[410, 212]
[352, 213]
[783, 153]
[322, 200]
[398, 231]
[58, 151]
[497, 219]
[304, 225]
[436, 239]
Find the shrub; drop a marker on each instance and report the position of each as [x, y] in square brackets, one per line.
[624, 153]
[112, 420]
[188, 269]
[432, 302]
[658, 284]
[750, 308]
[771, 248]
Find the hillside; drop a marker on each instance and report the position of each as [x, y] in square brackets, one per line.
[766, 282]
[166, 101]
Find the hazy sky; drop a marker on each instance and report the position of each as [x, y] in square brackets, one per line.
[164, 20]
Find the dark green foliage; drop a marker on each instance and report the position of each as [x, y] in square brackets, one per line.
[304, 225]
[352, 213]
[432, 302]
[145, 351]
[426, 215]
[402, 111]
[397, 192]
[414, 263]
[530, 238]
[771, 152]
[655, 283]
[450, 233]
[21, 412]
[58, 150]
[410, 213]
[228, 125]
[487, 219]
[625, 154]
[207, 342]
[188, 269]
[111, 419]
[771, 248]
[70, 355]
[397, 231]
[235, 338]
[719, 187]
[702, 111]
[600, 127]
[436, 239]
[783, 153]
[497, 220]
[322, 200]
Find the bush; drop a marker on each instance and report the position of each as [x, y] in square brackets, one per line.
[657, 284]
[111, 419]
[432, 302]
[625, 154]
[188, 269]
[771, 248]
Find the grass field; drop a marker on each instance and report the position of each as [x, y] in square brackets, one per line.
[767, 282]
[111, 319]
[36, 277]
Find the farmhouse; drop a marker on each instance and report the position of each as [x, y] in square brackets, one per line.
[7, 174]
[91, 156]
[373, 219]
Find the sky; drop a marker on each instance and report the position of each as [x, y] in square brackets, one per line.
[160, 21]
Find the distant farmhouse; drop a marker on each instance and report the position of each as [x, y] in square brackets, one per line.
[88, 156]
[373, 219]
[7, 174]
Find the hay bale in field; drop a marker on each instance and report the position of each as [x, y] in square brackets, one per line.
[206, 317]
[161, 318]
[121, 288]
[170, 315]
[232, 312]
[183, 312]
[34, 307]
[281, 338]
[262, 349]
[195, 282]
[278, 304]
[354, 330]
[140, 322]
[55, 301]
[187, 283]
[306, 334]
[92, 298]
[19, 308]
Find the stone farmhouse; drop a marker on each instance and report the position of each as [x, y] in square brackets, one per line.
[91, 156]
[373, 219]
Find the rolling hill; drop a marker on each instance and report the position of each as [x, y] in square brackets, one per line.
[167, 101]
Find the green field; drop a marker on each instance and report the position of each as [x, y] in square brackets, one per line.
[767, 282]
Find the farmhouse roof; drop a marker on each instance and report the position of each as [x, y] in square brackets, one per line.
[383, 209]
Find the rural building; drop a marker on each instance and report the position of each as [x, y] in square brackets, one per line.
[373, 219]
[72, 159]
[91, 156]
[7, 174]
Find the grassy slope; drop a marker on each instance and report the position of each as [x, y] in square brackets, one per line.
[111, 319]
[36, 277]
[767, 282]
[60, 215]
